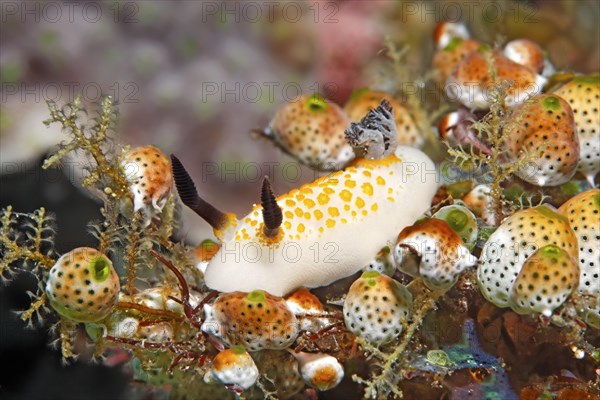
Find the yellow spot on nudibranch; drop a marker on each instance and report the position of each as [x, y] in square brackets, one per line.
[306, 190]
[344, 220]
[329, 190]
[245, 235]
[287, 224]
[301, 228]
[333, 211]
[309, 203]
[289, 214]
[318, 214]
[290, 203]
[374, 207]
[390, 198]
[299, 212]
[300, 197]
[360, 203]
[330, 223]
[370, 164]
[364, 212]
[380, 181]
[267, 240]
[346, 207]
[323, 199]
[307, 215]
[367, 189]
[346, 195]
[253, 222]
[367, 174]
[350, 183]
[390, 190]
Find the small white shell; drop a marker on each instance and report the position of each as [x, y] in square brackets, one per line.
[320, 371]
[242, 372]
[211, 325]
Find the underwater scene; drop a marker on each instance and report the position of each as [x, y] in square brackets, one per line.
[304, 200]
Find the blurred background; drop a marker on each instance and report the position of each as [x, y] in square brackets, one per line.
[193, 78]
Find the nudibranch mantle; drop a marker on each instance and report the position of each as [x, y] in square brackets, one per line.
[331, 227]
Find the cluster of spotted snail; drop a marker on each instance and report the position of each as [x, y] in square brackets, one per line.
[532, 263]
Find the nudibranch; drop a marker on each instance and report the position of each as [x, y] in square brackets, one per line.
[319, 233]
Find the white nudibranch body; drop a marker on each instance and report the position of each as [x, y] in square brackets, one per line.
[331, 227]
